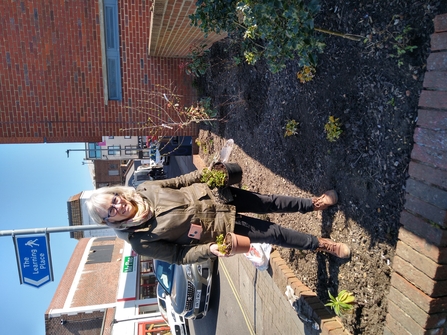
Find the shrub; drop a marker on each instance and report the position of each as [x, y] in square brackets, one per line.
[276, 30]
[198, 63]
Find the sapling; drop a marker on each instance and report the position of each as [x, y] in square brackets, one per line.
[342, 303]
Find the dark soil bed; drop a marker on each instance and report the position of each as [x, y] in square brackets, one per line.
[375, 99]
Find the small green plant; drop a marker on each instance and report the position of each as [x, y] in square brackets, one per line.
[306, 74]
[394, 36]
[205, 145]
[198, 63]
[237, 60]
[291, 128]
[202, 145]
[342, 303]
[213, 178]
[401, 42]
[333, 129]
[221, 245]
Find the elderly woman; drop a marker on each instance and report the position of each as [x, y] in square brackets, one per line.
[156, 218]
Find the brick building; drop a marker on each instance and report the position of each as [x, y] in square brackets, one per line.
[105, 289]
[73, 71]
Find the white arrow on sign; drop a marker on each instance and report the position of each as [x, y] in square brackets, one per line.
[36, 283]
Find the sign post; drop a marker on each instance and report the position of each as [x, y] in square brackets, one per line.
[33, 252]
[33, 260]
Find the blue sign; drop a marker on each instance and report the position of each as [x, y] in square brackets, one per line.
[34, 260]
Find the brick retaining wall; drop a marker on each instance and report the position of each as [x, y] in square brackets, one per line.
[417, 301]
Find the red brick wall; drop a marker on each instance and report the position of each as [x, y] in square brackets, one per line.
[102, 168]
[95, 287]
[417, 302]
[51, 73]
[67, 278]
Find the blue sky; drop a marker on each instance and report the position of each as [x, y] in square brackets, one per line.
[36, 182]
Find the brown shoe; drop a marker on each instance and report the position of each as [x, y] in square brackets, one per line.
[329, 198]
[340, 250]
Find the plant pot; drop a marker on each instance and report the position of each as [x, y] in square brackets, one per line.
[233, 170]
[239, 244]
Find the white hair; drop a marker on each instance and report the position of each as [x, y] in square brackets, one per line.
[99, 200]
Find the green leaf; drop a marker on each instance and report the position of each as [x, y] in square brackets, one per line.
[337, 310]
[344, 306]
[349, 299]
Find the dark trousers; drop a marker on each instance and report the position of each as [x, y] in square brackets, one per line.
[261, 231]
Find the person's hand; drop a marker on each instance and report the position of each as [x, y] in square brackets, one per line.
[214, 249]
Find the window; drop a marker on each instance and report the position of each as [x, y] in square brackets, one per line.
[94, 150]
[148, 286]
[111, 28]
[113, 166]
[146, 265]
[142, 152]
[148, 282]
[131, 149]
[114, 173]
[114, 150]
[145, 309]
[100, 254]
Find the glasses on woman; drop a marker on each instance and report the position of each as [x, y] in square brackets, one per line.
[112, 211]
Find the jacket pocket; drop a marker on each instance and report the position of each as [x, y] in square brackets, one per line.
[199, 191]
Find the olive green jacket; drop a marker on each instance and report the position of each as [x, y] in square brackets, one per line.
[177, 202]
